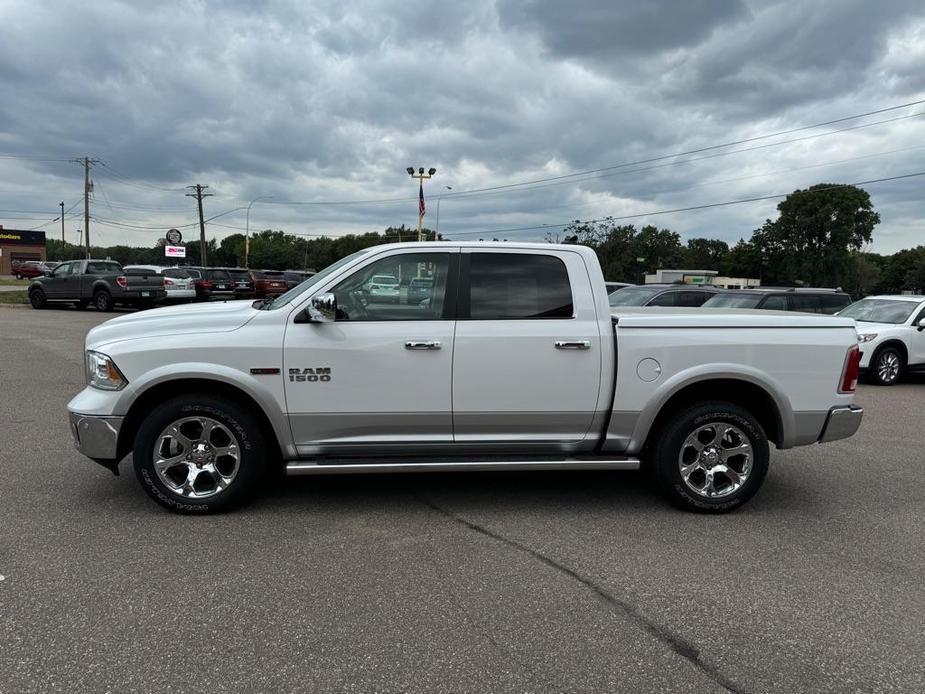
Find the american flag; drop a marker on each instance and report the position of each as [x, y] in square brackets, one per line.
[421, 201]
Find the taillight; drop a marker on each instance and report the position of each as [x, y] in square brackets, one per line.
[121, 281]
[851, 371]
[206, 284]
[168, 282]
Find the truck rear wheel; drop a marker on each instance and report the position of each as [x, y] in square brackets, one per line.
[199, 454]
[102, 300]
[712, 457]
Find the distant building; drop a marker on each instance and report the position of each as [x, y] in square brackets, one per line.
[707, 277]
[17, 245]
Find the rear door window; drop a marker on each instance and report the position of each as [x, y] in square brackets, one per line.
[833, 303]
[804, 303]
[518, 286]
[665, 299]
[775, 302]
[688, 298]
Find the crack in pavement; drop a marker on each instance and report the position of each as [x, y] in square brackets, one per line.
[679, 645]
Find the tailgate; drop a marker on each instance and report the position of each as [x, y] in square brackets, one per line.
[143, 280]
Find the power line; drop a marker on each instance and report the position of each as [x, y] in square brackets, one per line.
[684, 209]
[589, 173]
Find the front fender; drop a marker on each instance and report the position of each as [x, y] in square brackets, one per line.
[259, 390]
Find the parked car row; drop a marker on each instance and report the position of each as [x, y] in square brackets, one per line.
[891, 329]
[802, 299]
[106, 283]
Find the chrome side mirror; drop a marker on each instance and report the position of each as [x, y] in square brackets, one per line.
[322, 309]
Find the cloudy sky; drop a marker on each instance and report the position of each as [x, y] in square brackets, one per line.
[325, 103]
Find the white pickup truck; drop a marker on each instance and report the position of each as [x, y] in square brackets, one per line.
[510, 358]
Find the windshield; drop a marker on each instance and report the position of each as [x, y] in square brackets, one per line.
[880, 310]
[733, 301]
[633, 296]
[286, 297]
[384, 279]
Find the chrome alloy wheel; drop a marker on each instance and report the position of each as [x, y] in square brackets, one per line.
[888, 366]
[196, 457]
[715, 460]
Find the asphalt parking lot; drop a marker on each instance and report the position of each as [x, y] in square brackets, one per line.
[493, 582]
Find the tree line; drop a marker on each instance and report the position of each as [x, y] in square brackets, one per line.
[817, 240]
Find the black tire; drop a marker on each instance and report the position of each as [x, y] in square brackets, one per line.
[886, 367]
[82, 304]
[670, 445]
[251, 465]
[37, 298]
[102, 299]
[18, 276]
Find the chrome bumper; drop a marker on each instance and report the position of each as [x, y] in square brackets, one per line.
[841, 423]
[96, 437]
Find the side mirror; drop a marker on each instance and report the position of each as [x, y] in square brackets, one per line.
[922, 324]
[321, 309]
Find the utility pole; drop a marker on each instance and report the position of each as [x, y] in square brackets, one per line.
[88, 188]
[62, 221]
[199, 195]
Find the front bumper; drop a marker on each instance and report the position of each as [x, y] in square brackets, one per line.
[97, 437]
[841, 423]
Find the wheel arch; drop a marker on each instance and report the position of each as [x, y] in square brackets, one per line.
[164, 390]
[754, 397]
[897, 344]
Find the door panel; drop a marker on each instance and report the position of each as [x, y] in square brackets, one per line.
[381, 373]
[510, 380]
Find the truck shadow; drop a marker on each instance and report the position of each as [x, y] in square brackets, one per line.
[628, 492]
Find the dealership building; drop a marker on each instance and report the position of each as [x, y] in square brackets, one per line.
[17, 245]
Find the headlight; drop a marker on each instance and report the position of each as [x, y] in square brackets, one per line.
[102, 373]
[867, 337]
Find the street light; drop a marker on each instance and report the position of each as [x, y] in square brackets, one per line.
[247, 229]
[437, 218]
[421, 176]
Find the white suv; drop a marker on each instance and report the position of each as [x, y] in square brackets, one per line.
[891, 333]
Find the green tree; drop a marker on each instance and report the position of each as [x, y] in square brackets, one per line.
[706, 254]
[812, 238]
[743, 260]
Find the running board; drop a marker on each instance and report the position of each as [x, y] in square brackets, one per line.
[307, 467]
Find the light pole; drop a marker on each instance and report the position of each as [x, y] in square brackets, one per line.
[247, 229]
[421, 176]
[437, 218]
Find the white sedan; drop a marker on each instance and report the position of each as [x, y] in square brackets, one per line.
[891, 333]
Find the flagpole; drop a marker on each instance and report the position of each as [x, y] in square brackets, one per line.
[421, 176]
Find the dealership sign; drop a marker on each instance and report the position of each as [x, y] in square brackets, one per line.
[16, 236]
[174, 237]
[175, 251]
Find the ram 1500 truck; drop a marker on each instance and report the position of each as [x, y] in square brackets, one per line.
[512, 360]
[103, 282]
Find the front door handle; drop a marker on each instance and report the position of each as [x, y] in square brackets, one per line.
[422, 344]
[573, 344]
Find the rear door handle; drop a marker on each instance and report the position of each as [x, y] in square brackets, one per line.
[573, 344]
[422, 344]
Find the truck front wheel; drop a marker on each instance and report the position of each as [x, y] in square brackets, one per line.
[199, 454]
[711, 457]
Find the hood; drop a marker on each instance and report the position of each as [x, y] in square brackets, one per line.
[213, 317]
[865, 327]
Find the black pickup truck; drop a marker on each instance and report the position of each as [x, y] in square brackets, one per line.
[102, 282]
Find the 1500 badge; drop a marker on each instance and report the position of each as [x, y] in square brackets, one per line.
[310, 375]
